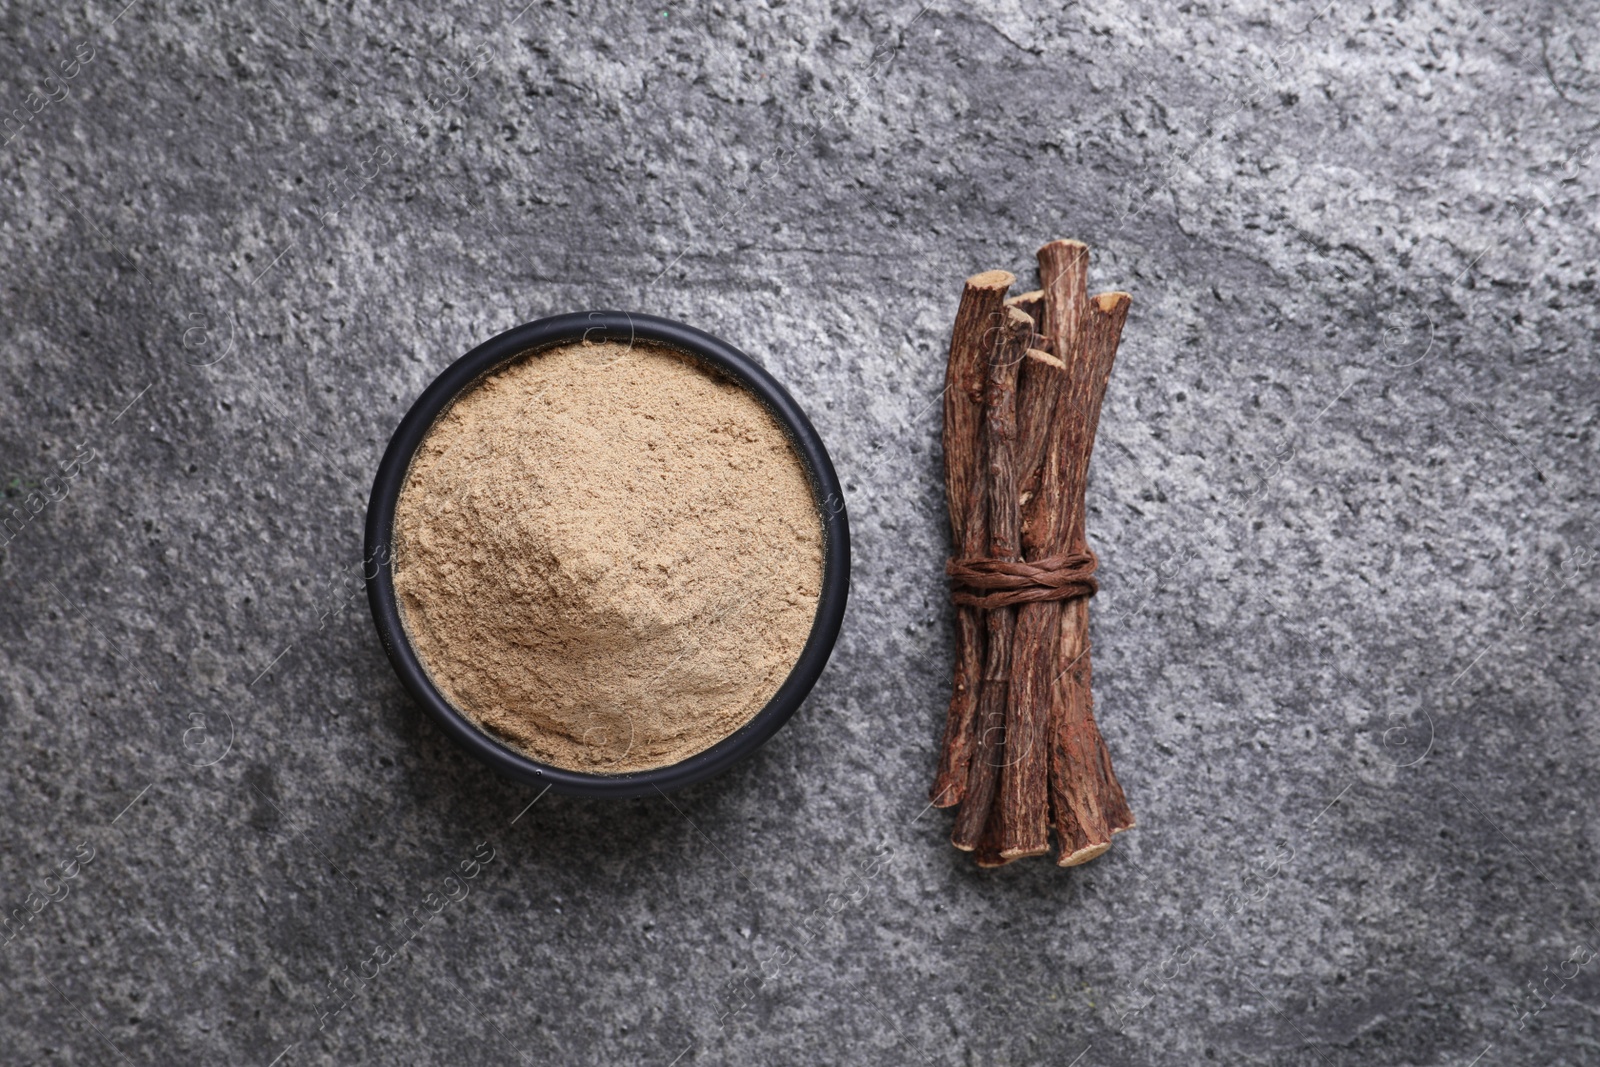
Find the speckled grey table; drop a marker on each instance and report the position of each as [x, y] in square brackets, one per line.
[1344, 498]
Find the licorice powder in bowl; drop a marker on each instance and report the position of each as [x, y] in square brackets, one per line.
[608, 556]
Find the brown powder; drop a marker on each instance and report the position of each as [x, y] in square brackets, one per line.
[607, 556]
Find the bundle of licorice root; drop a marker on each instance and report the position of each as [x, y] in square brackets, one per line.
[1022, 754]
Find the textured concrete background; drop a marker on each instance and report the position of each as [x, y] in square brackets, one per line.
[1343, 496]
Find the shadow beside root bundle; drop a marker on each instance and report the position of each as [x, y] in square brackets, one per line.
[1022, 755]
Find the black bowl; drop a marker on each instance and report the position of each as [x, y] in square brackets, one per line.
[598, 326]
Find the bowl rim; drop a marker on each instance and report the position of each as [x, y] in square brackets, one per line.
[595, 327]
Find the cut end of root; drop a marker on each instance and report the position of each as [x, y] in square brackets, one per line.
[992, 279]
[1106, 303]
[1083, 855]
[1020, 853]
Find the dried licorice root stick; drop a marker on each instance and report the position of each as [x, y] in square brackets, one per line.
[1005, 545]
[1087, 802]
[1064, 273]
[1023, 808]
[971, 343]
[1032, 305]
[987, 854]
[1019, 820]
[1024, 824]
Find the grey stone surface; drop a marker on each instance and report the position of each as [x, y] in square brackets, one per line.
[1344, 498]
